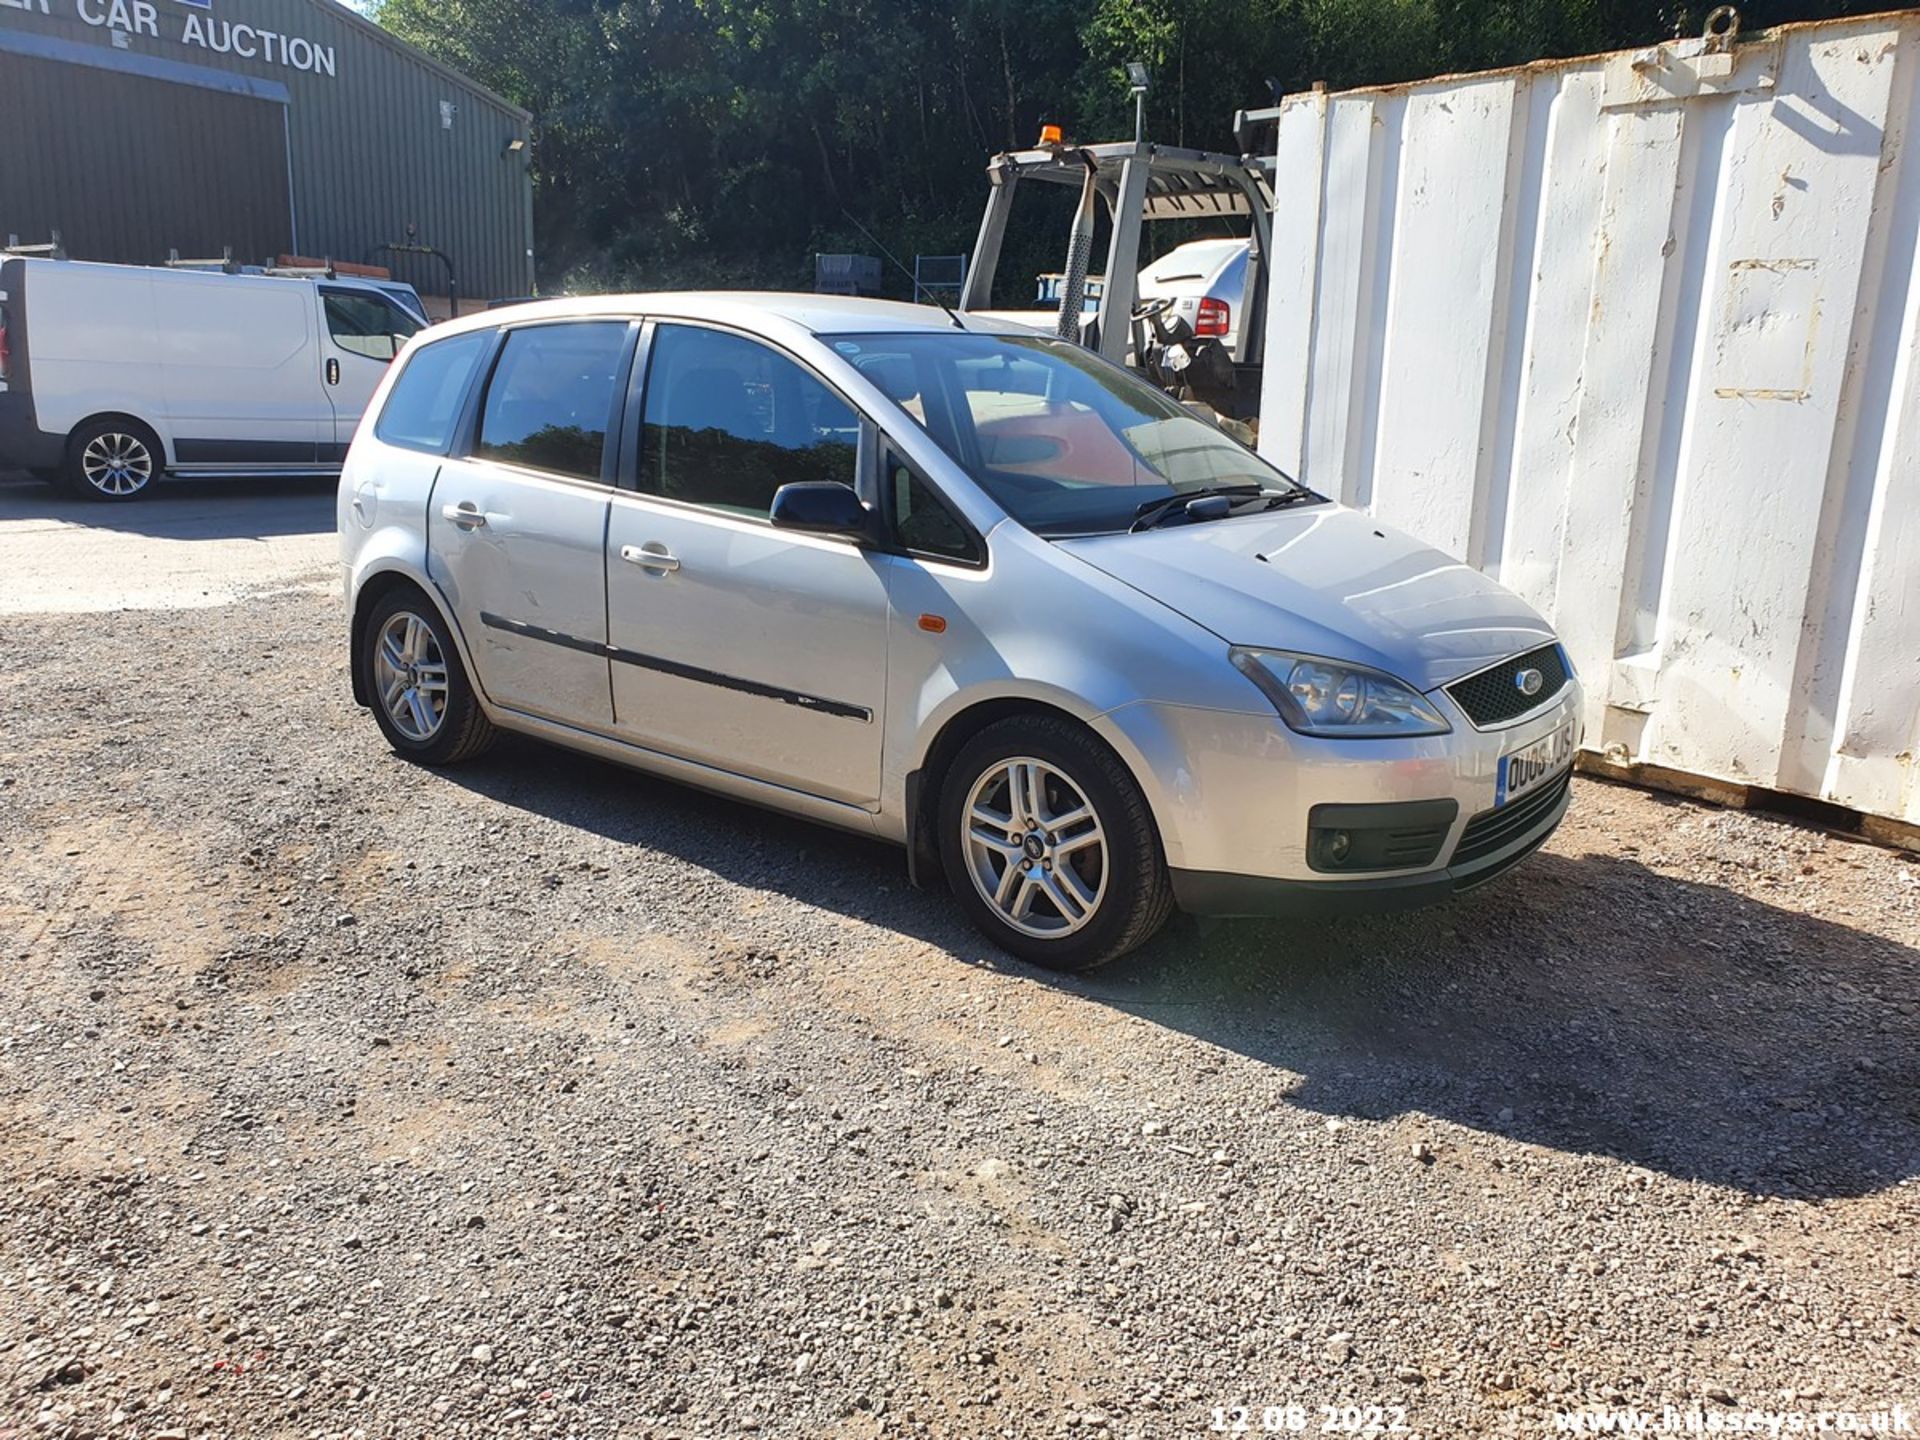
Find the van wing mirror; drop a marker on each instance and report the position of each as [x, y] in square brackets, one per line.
[820, 507]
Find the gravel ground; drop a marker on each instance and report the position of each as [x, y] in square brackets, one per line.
[340, 1097]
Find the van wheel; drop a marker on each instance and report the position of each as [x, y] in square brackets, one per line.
[1049, 844]
[112, 460]
[421, 697]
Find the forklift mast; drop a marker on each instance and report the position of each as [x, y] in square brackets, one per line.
[1138, 182]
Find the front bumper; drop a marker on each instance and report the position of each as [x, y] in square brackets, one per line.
[1233, 793]
[1203, 892]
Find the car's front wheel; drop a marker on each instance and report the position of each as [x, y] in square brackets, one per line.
[1049, 844]
[417, 686]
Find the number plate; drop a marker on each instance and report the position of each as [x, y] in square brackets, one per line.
[1523, 770]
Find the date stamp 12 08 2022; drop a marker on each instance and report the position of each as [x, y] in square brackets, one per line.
[1299, 1418]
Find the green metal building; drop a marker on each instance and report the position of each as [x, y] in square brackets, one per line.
[136, 128]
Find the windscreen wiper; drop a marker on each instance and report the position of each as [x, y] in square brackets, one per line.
[1156, 512]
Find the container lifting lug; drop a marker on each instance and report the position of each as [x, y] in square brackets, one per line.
[1722, 27]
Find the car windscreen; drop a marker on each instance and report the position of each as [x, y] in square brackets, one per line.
[1065, 442]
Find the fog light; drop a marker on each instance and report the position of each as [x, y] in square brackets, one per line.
[1339, 846]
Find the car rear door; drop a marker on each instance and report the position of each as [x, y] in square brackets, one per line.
[756, 650]
[361, 330]
[516, 525]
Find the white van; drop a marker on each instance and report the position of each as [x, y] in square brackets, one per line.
[111, 375]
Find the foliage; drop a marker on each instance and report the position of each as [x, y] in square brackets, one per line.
[725, 141]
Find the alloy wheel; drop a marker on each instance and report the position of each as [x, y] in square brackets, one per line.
[410, 672]
[116, 463]
[1035, 848]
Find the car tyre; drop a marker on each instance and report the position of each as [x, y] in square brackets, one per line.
[416, 686]
[1049, 844]
[114, 459]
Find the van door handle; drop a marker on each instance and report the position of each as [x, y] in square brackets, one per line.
[333, 371]
[651, 559]
[466, 515]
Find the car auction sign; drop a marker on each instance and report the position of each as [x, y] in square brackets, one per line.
[191, 23]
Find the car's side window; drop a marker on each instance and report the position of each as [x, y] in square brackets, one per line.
[551, 397]
[729, 421]
[369, 325]
[921, 522]
[424, 404]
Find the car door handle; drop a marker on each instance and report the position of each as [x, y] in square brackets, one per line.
[466, 515]
[651, 559]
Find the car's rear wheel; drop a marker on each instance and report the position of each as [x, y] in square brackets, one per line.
[112, 459]
[1049, 844]
[417, 687]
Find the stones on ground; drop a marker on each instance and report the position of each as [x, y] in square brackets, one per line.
[216, 1135]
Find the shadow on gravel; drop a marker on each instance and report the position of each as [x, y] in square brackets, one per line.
[244, 508]
[1587, 1004]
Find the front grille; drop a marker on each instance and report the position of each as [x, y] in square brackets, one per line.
[1492, 697]
[1493, 830]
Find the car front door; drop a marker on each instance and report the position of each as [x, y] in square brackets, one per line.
[517, 522]
[360, 333]
[756, 650]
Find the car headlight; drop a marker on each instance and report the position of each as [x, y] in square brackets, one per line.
[1325, 697]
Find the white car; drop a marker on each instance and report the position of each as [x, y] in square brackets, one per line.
[964, 587]
[1207, 282]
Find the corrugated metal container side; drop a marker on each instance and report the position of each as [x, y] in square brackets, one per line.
[1637, 335]
[378, 137]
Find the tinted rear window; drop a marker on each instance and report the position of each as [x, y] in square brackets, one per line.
[424, 404]
[551, 396]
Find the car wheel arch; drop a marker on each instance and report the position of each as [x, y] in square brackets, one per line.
[925, 781]
[161, 445]
[375, 587]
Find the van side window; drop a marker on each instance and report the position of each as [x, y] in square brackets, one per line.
[424, 404]
[729, 421]
[551, 397]
[369, 325]
[921, 522]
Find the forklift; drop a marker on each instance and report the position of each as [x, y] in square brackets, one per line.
[1139, 182]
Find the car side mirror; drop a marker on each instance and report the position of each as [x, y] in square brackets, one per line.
[819, 507]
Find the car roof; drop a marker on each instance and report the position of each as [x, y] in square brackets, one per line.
[817, 314]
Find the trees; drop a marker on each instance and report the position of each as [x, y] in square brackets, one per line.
[724, 141]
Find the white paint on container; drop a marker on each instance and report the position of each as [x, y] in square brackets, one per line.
[1637, 335]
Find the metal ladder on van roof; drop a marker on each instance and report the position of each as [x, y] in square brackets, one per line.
[52, 250]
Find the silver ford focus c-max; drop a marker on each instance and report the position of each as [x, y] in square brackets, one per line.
[972, 590]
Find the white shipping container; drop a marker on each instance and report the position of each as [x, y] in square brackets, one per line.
[1637, 335]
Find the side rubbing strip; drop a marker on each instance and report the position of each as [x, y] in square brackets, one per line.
[676, 668]
[534, 632]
